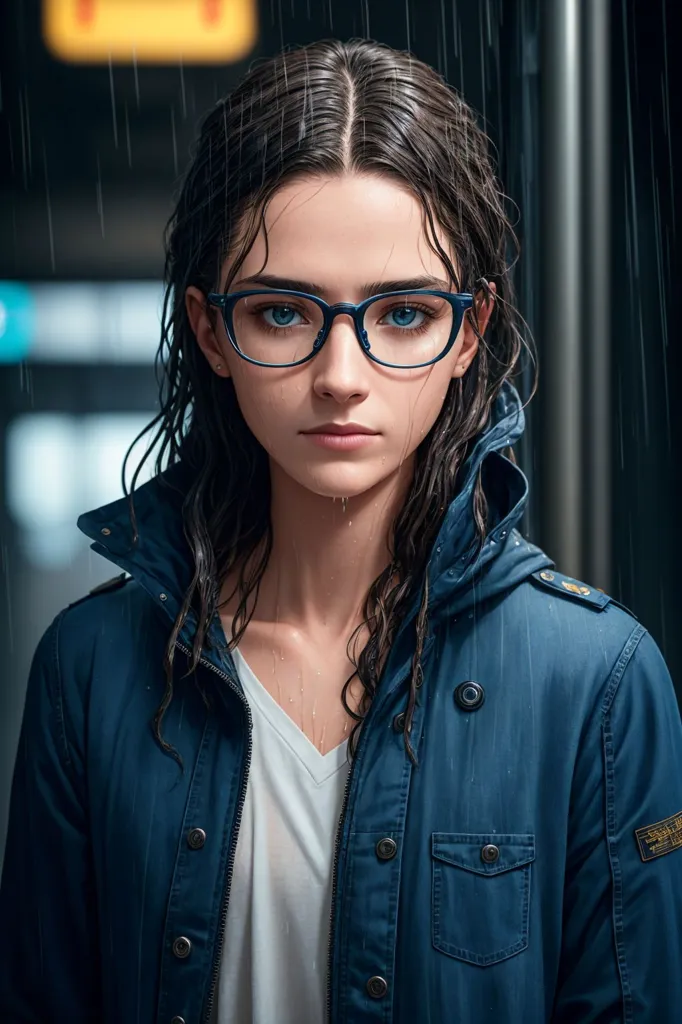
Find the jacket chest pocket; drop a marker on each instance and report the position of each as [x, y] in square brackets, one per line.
[481, 895]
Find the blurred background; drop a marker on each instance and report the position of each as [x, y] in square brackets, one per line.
[99, 103]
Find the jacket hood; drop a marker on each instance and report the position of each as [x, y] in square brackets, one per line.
[161, 561]
[458, 578]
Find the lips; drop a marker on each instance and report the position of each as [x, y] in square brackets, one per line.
[340, 428]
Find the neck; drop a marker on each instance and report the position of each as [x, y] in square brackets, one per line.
[324, 558]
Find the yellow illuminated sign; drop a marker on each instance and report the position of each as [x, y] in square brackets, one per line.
[150, 31]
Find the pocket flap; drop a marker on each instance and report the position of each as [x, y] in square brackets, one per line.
[466, 851]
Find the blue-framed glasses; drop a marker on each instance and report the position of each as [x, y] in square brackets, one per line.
[405, 330]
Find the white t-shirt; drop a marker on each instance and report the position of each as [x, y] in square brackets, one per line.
[274, 957]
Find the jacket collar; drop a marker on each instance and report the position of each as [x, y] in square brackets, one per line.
[161, 559]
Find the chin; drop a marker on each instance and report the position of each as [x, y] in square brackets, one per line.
[340, 489]
[340, 479]
[336, 484]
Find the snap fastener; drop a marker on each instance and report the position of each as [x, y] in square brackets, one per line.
[377, 987]
[196, 838]
[490, 853]
[399, 722]
[105, 530]
[182, 947]
[386, 849]
[177, 1020]
[469, 695]
[164, 597]
[549, 576]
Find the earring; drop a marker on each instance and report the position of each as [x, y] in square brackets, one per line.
[218, 366]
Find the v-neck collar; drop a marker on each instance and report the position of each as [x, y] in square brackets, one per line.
[320, 767]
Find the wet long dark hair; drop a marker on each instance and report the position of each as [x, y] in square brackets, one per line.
[325, 109]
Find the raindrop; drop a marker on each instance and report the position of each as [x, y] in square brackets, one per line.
[137, 81]
[113, 102]
[49, 209]
[182, 90]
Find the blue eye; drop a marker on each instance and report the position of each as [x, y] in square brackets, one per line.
[280, 314]
[404, 315]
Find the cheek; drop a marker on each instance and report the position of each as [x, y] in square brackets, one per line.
[417, 407]
[265, 403]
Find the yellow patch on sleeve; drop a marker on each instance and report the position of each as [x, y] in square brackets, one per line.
[663, 837]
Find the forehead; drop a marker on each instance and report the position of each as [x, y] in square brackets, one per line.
[344, 231]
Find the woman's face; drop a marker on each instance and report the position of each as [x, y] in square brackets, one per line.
[339, 234]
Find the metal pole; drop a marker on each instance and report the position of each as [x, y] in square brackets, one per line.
[562, 252]
[597, 304]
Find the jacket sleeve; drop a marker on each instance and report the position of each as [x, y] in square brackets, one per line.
[49, 961]
[622, 931]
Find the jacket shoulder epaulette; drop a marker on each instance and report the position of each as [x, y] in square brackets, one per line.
[113, 584]
[569, 587]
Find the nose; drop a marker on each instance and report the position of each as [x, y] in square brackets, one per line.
[341, 368]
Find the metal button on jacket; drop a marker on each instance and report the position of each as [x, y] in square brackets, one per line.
[377, 987]
[182, 947]
[177, 1020]
[490, 853]
[469, 695]
[386, 849]
[196, 838]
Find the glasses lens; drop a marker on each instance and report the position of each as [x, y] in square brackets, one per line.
[276, 328]
[408, 329]
[405, 329]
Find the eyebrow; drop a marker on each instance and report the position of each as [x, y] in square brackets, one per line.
[409, 284]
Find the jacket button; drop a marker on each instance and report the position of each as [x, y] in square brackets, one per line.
[399, 722]
[469, 695]
[196, 838]
[377, 987]
[182, 947]
[490, 853]
[386, 849]
[177, 1020]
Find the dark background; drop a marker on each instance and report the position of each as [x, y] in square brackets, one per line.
[91, 157]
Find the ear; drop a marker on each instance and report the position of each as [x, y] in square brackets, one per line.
[482, 310]
[207, 337]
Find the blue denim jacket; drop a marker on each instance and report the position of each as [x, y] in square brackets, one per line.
[535, 868]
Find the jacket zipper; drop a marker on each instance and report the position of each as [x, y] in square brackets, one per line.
[337, 847]
[235, 831]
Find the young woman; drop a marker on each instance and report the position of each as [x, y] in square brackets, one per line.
[340, 744]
